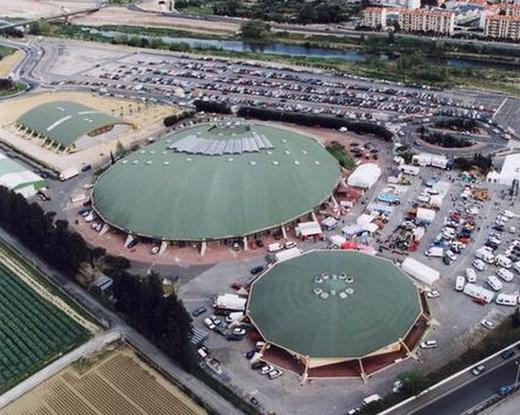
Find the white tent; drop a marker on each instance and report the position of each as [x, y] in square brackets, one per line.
[287, 254]
[420, 271]
[337, 240]
[351, 230]
[306, 229]
[231, 302]
[365, 176]
[364, 219]
[425, 215]
[370, 227]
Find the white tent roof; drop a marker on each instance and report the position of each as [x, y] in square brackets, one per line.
[365, 176]
[337, 240]
[420, 271]
[364, 219]
[510, 169]
[308, 228]
[351, 229]
[231, 302]
[370, 227]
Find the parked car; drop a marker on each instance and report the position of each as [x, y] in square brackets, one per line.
[266, 369]
[257, 270]
[507, 354]
[433, 294]
[239, 331]
[209, 323]
[198, 311]
[479, 265]
[289, 244]
[275, 373]
[429, 344]
[488, 324]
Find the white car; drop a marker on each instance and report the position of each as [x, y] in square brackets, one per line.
[239, 331]
[429, 344]
[479, 265]
[451, 255]
[275, 373]
[209, 323]
[266, 369]
[460, 281]
[471, 275]
[397, 386]
[494, 283]
[487, 324]
[505, 274]
[433, 294]
[155, 250]
[289, 244]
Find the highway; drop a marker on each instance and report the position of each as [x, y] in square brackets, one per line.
[465, 392]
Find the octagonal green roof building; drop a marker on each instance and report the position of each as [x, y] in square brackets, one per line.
[330, 307]
[216, 181]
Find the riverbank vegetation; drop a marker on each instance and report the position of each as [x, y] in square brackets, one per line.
[285, 11]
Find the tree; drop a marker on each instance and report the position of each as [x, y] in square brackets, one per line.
[255, 30]
[414, 382]
[516, 317]
[163, 320]
[40, 27]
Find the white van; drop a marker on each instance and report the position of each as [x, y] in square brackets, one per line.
[371, 399]
[488, 257]
[274, 247]
[505, 274]
[503, 261]
[507, 299]
[471, 275]
[494, 283]
[516, 266]
[459, 283]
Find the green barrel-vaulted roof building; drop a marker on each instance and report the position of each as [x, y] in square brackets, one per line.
[64, 123]
[216, 181]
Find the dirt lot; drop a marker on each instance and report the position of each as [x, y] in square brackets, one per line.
[9, 62]
[32, 9]
[121, 16]
[147, 119]
[113, 384]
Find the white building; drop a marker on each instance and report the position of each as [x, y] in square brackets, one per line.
[375, 17]
[427, 21]
[510, 170]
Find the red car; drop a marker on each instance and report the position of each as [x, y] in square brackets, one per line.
[480, 301]
[236, 286]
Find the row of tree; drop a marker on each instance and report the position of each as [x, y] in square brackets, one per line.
[483, 163]
[446, 140]
[175, 118]
[217, 107]
[458, 124]
[50, 239]
[326, 121]
[161, 318]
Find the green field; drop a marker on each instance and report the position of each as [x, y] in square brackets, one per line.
[33, 332]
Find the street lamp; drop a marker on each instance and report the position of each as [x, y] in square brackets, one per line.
[517, 378]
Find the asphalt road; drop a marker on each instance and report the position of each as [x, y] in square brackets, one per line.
[470, 395]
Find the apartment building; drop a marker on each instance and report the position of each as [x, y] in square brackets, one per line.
[422, 20]
[375, 17]
[502, 27]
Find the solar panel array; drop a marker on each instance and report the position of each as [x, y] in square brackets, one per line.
[194, 144]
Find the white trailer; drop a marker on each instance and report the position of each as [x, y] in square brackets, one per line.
[439, 161]
[476, 291]
[427, 159]
[435, 252]
[231, 302]
[503, 261]
[69, 173]
[287, 254]
[409, 169]
[420, 271]
[507, 299]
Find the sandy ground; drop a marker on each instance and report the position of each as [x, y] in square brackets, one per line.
[31, 9]
[153, 5]
[94, 387]
[146, 118]
[122, 16]
[9, 62]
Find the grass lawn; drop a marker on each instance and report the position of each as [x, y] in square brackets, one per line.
[336, 150]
